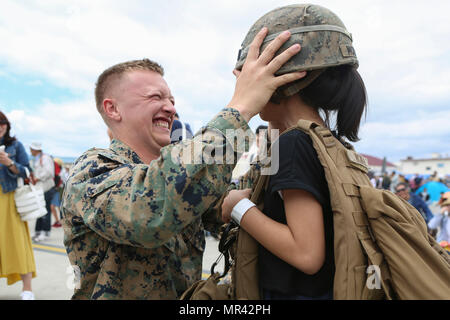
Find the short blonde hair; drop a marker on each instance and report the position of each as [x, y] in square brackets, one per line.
[116, 72]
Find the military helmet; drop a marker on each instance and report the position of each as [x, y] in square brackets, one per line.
[324, 39]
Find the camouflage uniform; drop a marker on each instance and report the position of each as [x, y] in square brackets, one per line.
[136, 231]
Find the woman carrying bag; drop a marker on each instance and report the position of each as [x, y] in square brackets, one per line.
[16, 253]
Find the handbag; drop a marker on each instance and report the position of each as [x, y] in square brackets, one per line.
[30, 200]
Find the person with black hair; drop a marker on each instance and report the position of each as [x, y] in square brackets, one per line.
[16, 252]
[403, 191]
[295, 227]
[180, 130]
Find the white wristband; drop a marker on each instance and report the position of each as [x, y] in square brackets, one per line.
[240, 209]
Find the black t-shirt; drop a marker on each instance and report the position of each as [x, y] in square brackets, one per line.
[299, 168]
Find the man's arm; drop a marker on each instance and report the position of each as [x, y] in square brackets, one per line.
[426, 210]
[47, 171]
[145, 205]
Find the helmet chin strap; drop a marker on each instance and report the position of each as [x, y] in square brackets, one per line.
[292, 88]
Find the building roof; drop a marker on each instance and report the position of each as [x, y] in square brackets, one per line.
[429, 159]
[377, 162]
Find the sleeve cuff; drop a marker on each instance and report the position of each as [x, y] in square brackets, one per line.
[240, 209]
[233, 127]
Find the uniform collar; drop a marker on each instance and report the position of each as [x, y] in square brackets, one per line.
[125, 153]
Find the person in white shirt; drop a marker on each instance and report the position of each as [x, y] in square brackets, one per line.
[43, 177]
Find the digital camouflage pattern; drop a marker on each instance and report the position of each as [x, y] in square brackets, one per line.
[135, 231]
[322, 35]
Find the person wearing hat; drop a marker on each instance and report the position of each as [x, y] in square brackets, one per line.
[43, 177]
[441, 221]
[295, 227]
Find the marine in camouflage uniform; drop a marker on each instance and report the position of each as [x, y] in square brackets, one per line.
[136, 231]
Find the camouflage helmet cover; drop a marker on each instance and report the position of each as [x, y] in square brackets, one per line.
[324, 39]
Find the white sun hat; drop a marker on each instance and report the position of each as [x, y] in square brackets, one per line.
[36, 146]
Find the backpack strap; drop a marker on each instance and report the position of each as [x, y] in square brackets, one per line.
[245, 269]
[258, 191]
[324, 134]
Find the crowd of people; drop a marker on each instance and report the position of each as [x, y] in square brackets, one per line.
[408, 189]
[135, 213]
[389, 181]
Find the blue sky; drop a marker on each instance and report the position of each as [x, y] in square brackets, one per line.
[53, 51]
[27, 91]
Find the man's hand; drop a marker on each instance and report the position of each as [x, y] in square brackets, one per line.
[233, 197]
[33, 180]
[257, 82]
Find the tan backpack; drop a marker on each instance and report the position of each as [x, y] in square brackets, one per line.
[381, 246]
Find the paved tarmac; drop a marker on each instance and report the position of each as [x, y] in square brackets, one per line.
[54, 275]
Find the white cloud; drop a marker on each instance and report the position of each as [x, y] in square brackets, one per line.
[421, 137]
[64, 129]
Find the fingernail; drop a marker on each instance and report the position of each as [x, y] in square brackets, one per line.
[286, 33]
[296, 47]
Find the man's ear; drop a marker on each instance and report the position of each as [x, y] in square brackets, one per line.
[110, 110]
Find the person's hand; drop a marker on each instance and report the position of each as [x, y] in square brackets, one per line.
[233, 197]
[33, 180]
[257, 82]
[4, 158]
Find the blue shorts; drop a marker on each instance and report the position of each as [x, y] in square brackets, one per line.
[56, 201]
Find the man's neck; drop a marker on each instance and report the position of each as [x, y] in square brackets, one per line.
[144, 153]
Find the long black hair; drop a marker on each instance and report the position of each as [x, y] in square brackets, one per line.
[7, 139]
[339, 89]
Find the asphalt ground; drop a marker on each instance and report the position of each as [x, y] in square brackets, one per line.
[54, 274]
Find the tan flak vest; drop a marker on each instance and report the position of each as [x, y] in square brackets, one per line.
[382, 248]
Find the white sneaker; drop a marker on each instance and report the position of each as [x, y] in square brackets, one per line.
[27, 295]
[40, 238]
[36, 235]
